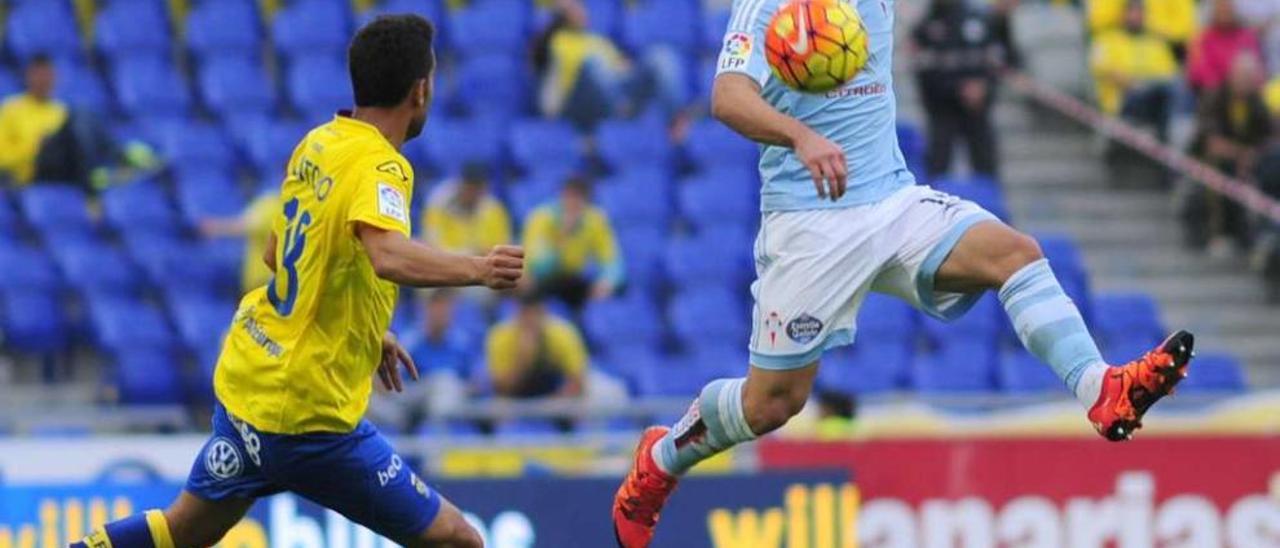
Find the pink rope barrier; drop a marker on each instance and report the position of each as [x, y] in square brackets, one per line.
[1122, 132]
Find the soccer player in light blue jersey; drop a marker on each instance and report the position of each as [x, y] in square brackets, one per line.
[842, 216]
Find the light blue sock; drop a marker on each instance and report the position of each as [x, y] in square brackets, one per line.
[1050, 326]
[714, 422]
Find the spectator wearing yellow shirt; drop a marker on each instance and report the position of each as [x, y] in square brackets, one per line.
[536, 354]
[42, 139]
[585, 77]
[1272, 96]
[463, 217]
[254, 225]
[571, 248]
[1135, 70]
[1173, 20]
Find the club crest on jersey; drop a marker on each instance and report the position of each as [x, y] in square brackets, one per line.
[222, 459]
[804, 328]
[393, 167]
[737, 49]
[391, 203]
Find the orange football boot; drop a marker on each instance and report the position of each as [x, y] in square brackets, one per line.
[642, 494]
[1129, 390]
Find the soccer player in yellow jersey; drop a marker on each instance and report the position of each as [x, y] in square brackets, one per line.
[296, 370]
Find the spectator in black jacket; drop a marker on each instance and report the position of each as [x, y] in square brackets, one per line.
[957, 60]
[1233, 127]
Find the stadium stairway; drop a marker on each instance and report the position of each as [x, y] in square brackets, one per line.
[1056, 183]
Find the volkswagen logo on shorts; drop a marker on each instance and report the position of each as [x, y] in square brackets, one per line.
[222, 459]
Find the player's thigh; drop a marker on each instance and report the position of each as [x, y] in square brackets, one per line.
[360, 476]
[813, 270]
[450, 529]
[194, 521]
[984, 257]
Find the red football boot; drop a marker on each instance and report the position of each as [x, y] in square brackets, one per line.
[642, 494]
[1129, 390]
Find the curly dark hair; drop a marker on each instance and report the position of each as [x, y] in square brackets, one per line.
[388, 56]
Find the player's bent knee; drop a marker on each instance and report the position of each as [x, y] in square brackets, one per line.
[772, 409]
[1017, 251]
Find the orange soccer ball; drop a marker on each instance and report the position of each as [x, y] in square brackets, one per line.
[816, 45]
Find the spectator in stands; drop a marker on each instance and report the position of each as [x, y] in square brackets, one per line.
[443, 355]
[1135, 70]
[571, 248]
[1233, 127]
[1173, 20]
[957, 62]
[462, 216]
[41, 138]
[254, 225]
[439, 346]
[836, 414]
[1216, 49]
[1271, 95]
[585, 78]
[536, 354]
[1264, 17]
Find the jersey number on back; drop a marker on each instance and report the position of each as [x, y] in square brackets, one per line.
[294, 242]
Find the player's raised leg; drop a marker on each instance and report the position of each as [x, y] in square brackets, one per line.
[727, 412]
[992, 255]
[448, 530]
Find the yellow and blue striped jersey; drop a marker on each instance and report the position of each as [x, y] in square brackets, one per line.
[302, 350]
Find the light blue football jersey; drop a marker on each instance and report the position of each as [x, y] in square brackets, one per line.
[860, 116]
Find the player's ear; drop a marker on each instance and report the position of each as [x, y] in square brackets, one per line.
[422, 92]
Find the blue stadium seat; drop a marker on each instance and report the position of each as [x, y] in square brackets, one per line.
[636, 197]
[236, 85]
[33, 321]
[42, 27]
[307, 27]
[606, 16]
[148, 378]
[434, 10]
[624, 144]
[714, 25]
[885, 318]
[37, 272]
[643, 247]
[870, 366]
[525, 427]
[531, 192]
[152, 252]
[131, 26]
[453, 143]
[704, 201]
[1021, 373]
[202, 322]
[961, 367]
[708, 260]
[710, 143]
[663, 22]
[490, 27]
[451, 428]
[208, 193]
[721, 359]
[1127, 323]
[149, 86]
[56, 208]
[311, 85]
[708, 314]
[9, 83]
[81, 87]
[490, 85]
[127, 326]
[984, 323]
[911, 142]
[1214, 372]
[224, 28]
[98, 269]
[673, 376]
[139, 206]
[540, 146]
[271, 144]
[8, 215]
[625, 321]
[194, 145]
[978, 191]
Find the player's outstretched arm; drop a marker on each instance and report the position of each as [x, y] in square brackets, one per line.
[398, 259]
[736, 101]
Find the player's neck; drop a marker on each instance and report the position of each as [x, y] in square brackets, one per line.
[391, 124]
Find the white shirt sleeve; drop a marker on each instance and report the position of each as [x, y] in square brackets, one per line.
[743, 48]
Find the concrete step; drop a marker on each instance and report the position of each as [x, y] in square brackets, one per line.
[1174, 290]
[1087, 206]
